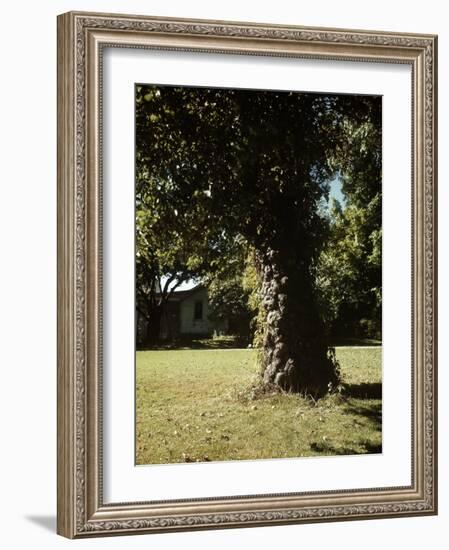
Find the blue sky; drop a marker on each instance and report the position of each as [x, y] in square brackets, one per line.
[336, 192]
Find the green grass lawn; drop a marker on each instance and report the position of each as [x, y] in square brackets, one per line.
[197, 405]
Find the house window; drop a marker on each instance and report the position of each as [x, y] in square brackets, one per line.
[198, 311]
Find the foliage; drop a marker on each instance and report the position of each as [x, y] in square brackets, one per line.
[350, 268]
[228, 298]
[251, 283]
[350, 274]
[172, 245]
[226, 162]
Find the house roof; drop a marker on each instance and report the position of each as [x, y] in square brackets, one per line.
[180, 295]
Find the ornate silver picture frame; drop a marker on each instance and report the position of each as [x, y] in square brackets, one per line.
[82, 509]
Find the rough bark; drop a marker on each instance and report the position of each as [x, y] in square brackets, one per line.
[296, 357]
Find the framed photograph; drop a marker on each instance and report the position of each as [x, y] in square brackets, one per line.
[246, 274]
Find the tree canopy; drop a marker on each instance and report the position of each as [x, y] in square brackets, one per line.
[350, 266]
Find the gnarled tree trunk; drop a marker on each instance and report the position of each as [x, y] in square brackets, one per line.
[296, 357]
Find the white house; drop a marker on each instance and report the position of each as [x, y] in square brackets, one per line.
[187, 314]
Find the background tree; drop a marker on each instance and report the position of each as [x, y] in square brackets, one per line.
[172, 245]
[163, 262]
[350, 267]
[255, 164]
[227, 294]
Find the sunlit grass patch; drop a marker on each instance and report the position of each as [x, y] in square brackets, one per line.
[196, 405]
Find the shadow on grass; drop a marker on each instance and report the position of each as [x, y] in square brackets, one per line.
[224, 342]
[366, 390]
[327, 448]
[230, 342]
[354, 342]
[373, 413]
